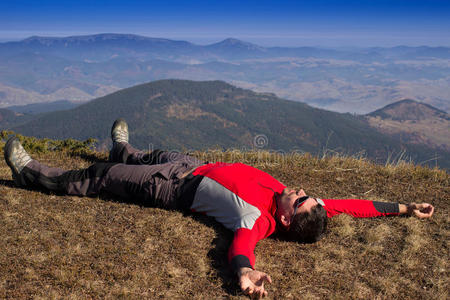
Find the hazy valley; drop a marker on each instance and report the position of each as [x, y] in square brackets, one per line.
[358, 80]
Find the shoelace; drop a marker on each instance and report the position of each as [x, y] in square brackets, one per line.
[22, 157]
[121, 135]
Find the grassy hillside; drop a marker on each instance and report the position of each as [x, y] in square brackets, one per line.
[409, 110]
[413, 122]
[181, 114]
[55, 246]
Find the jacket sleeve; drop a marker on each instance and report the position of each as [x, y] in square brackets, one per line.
[360, 208]
[241, 252]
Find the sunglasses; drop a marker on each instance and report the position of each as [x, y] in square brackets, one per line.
[299, 203]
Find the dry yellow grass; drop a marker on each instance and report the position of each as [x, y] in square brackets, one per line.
[55, 246]
[432, 132]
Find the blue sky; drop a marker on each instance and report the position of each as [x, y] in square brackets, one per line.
[268, 23]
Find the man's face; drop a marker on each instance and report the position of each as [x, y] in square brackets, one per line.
[287, 202]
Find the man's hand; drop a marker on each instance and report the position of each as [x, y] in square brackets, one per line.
[252, 282]
[420, 210]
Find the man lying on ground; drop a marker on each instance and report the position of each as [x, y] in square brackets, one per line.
[246, 200]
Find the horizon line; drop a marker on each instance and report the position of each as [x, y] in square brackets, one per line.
[217, 39]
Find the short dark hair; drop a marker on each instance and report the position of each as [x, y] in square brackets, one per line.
[308, 227]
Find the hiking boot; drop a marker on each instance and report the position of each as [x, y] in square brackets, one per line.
[16, 157]
[119, 131]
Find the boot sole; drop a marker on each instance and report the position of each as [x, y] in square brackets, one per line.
[7, 152]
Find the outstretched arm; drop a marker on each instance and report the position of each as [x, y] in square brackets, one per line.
[367, 208]
[419, 210]
[242, 258]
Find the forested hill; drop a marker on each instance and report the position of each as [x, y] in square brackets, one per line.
[181, 114]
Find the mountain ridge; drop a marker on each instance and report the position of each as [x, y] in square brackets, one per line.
[232, 42]
[408, 109]
[182, 114]
[188, 47]
[229, 40]
[96, 37]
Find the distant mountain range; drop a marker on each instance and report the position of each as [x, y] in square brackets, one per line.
[184, 115]
[106, 46]
[81, 68]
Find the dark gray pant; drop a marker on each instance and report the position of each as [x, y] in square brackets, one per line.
[149, 178]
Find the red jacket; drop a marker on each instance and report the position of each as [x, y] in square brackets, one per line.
[256, 188]
[242, 198]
